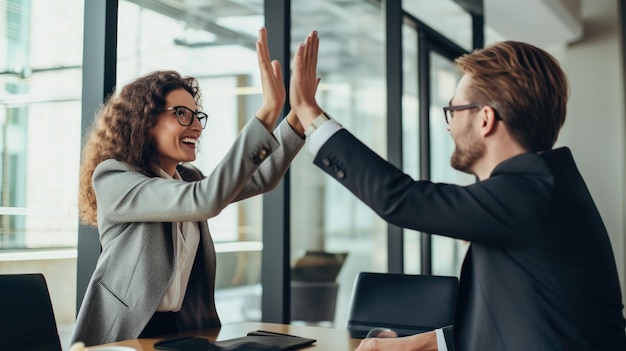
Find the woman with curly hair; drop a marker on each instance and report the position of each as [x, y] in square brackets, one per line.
[156, 272]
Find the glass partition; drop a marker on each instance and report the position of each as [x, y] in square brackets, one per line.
[440, 76]
[444, 16]
[40, 121]
[40, 82]
[447, 254]
[324, 215]
[410, 136]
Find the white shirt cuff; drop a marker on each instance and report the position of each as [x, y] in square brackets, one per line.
[320, 135]
[441, 340]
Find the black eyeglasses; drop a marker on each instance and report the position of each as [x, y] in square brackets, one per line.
[185, 115]
[448, 111]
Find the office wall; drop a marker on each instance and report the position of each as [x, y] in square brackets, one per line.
[595, 127]
[57, 268]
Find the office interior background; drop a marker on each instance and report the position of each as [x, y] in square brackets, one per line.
[386, 69]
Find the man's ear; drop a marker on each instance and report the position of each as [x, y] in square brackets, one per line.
[487, 116]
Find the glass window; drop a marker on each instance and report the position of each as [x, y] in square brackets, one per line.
[40, 121]
[444, 16]
[215, 44]
[40, 82]
[324, 215]
[410, 136]
[447, 254]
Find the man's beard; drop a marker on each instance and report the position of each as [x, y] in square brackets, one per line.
[466, 152]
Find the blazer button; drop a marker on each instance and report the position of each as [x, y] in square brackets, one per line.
[326, 162]
[260, 156]
[340, 174]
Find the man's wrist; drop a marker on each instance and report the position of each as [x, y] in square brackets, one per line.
[316, 123]
[307, 113]
[441, 340]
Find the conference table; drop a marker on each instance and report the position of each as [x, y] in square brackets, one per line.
[328, 339]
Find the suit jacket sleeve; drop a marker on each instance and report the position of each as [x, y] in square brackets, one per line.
[128, 196]
[448, 333]
[506, 209]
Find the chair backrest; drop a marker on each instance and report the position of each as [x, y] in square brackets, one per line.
[408, 304]
[27, 320]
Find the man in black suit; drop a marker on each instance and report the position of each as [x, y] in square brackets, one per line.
[540, 272]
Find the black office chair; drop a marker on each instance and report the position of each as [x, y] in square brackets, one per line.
[407, 304]
[27, 320]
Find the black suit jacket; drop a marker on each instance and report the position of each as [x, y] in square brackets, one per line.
[540, 272]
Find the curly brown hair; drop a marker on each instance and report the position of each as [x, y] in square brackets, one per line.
[526, 87]
[121, 131]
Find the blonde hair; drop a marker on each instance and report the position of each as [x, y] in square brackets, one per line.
[526, 87]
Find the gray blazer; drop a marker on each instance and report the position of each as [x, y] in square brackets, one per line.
[135, 215]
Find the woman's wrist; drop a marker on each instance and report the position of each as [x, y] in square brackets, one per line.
[295, 124]
[268, 117]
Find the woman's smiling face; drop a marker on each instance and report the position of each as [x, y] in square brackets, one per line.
[176, 143]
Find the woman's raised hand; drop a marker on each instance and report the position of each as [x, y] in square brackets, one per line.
[272, 84]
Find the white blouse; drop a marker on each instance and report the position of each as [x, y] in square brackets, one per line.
[186, 238]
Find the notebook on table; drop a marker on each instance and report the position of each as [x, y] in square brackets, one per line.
[258, 340]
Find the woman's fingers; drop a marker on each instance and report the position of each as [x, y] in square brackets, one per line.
[272, 84]
[278, 71]
[262, 47]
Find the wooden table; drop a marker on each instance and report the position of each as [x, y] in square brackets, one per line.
[328, 339]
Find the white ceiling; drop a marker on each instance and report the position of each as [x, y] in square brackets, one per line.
[539, 22]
